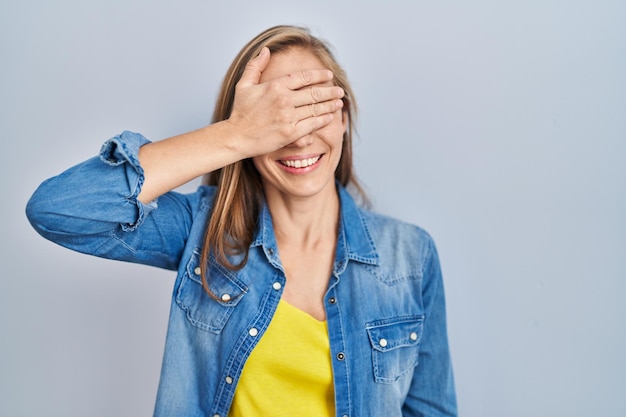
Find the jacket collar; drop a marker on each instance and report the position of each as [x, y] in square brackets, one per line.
[354, 242]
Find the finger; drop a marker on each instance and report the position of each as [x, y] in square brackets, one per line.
[252, 73]
[317, 94]
[299, 79]
[315, 110]
[311, 124]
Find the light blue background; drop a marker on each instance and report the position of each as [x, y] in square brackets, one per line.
[498, 126]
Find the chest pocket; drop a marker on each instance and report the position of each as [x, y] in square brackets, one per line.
[395, 346]
[202, 310]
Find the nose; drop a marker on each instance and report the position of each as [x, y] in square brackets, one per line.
[302, 142]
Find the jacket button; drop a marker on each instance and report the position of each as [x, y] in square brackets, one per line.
[277, 286]
[253, 332]
[332, 300]
[413, 336]
[382, 342]
[341, 356]
[229, 380]
[225, 297]
[197, 270]
[270, 251]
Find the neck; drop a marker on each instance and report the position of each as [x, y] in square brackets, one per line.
[305, 222]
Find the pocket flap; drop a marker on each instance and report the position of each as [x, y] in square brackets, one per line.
[222, 282]
[203, 311]
[389, 334]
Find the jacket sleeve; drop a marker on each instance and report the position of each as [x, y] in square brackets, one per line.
[432, 391]
[93, 208]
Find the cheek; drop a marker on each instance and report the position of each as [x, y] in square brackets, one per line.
[255, 162]
[333, 132]
[334, 140]
[261, 164]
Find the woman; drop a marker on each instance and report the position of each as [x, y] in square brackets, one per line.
[289, 298]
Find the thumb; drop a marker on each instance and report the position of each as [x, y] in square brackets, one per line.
[252, 73]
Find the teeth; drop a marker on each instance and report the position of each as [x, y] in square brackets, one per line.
[300, 163]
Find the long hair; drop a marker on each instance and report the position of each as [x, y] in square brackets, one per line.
[239, 191]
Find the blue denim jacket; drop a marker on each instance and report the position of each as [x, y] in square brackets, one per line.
[384, 304]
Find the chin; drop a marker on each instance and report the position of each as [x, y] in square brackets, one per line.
[301, 190]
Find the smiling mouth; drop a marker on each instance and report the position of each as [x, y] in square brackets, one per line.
[300, 163]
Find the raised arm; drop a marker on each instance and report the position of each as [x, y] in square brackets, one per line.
[106, 206]
[265, 117]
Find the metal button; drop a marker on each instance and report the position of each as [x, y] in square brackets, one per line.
[341, 356]
[382, 342]
[229, 380]
[270, 251]
[413, 336]
[253, 332]
[332, 300]
[277, 286]
[197, 270]
[225, 297]
[216, 415]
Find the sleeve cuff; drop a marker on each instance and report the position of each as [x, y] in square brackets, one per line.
[124, 149]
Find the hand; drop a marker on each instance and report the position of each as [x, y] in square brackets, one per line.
[276, 113]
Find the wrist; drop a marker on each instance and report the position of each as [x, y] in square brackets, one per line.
[232, 139]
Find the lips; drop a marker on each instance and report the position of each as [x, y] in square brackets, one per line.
[300, 163]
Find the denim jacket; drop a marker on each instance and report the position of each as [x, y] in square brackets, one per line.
[384, 303]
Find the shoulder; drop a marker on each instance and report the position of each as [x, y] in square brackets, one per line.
[185, 210]
[399, 244]
[389, 230]
[206, 196]
[198, 201]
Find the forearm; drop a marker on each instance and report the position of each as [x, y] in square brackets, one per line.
[170, 163]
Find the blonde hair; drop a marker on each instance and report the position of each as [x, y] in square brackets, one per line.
[239, 192]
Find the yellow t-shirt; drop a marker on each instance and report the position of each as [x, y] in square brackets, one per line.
[289, 371]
